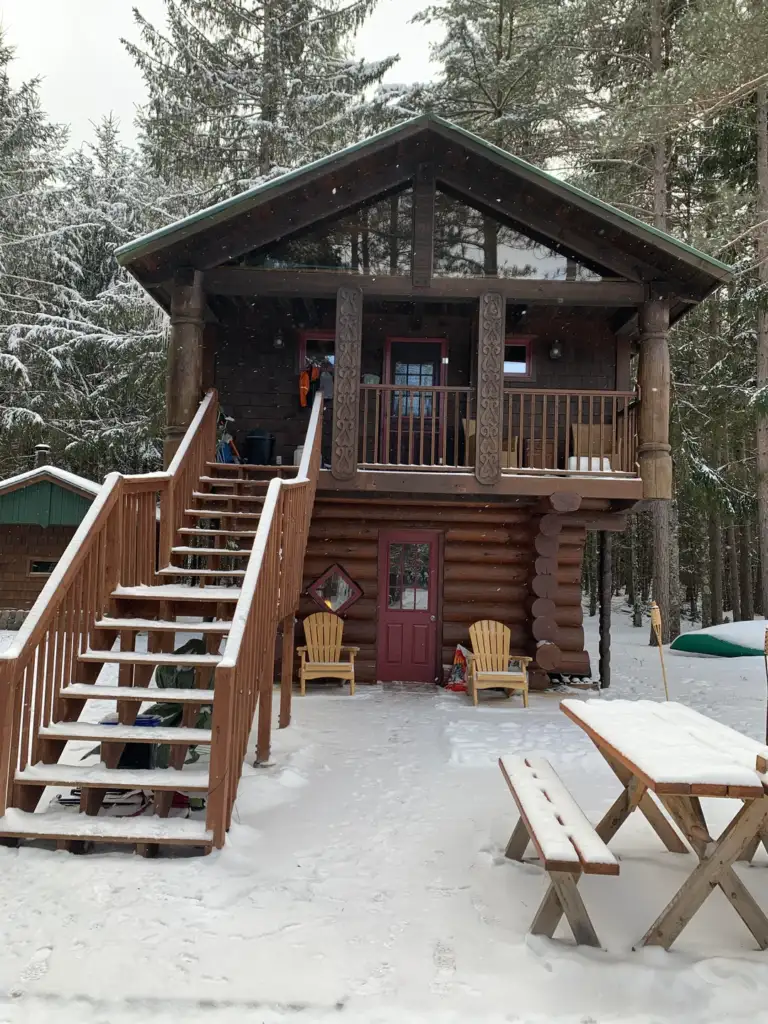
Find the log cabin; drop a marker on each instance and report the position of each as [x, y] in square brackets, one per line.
[444, 367]
[478, 318]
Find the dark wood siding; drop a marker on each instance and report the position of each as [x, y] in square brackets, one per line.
[20, 544]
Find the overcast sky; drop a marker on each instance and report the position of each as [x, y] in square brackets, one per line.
[74, 46]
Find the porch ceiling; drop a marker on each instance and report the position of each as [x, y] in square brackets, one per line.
[561, 216]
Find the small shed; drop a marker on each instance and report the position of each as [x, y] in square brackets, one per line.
[39, 513]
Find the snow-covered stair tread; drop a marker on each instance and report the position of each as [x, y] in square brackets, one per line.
[124, 733]
[223, 552]
[175, 570]
[219, 513]
[186, 781]
[165, 626]
[148, 658]
[78, 691]
[201, 531]
[66, 825]
[178, 592]
[206, 496]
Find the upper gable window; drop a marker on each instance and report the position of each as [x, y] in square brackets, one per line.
[373, 239]
[470, 244]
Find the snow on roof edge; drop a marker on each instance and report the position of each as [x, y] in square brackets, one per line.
[47, 472]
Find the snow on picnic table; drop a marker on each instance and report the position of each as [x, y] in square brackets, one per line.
[364, 880]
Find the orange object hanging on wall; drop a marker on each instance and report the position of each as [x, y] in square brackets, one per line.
[303, 388]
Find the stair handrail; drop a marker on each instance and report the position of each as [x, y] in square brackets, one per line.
[270, 590]
[57, 629]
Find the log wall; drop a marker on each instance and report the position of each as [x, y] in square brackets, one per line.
[487, 559]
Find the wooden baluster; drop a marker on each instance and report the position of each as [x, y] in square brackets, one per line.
[402, 398]
[414, 399]
[422, 414]
[364, 440]
[590, 446]
[545, 435]
[567, 427]
[376, 424]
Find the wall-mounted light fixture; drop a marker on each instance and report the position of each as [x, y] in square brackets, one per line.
[555, 350]
[278, 341]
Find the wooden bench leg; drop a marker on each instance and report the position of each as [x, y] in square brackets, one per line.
[518, 842]
[563, 898]
[715, 870]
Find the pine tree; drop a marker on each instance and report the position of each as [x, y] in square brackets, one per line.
[239, 88]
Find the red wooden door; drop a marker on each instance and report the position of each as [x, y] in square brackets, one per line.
[408, 606]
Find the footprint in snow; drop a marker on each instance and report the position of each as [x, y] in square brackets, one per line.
[35, 970]
[444, 959]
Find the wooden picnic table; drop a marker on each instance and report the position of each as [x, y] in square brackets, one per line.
[679, 756]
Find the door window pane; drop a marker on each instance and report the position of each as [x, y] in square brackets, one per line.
[413, 375]
[409, 577]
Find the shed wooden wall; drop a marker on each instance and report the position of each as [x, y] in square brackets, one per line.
[18, 544]
[488, 557]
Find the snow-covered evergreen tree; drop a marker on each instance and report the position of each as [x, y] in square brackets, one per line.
[239, 88]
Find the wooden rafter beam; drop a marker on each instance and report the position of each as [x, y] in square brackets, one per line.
[320, 283]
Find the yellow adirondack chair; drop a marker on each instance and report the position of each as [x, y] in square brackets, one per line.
[321, 658]
[489, 664]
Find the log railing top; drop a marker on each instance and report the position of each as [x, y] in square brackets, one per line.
[45, 607]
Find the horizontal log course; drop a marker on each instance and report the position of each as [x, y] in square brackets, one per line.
[350, 548]
[361, 570]
[458, 633]
[481, 535]
[568, 615]
[565, 501]
[545, 629]
[548, 657]
[537, 679]
[333, 530]
[568, 574]
[550, 525]
[439, 516]
[361, 633]
[544, 566]
[568, 594]
[546, 546]
[503, 591]
[568, 638]
[497, 554]
[545, 586]
[570, 555]
[574, 663]
[462, 572]
[468, 613]
[541, 607]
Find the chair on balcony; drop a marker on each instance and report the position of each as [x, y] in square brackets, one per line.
[489, 665]
[321, 657]
[590, 451]
[510, 458]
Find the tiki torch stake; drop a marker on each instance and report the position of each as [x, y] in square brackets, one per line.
[656, 624]
[765, 659]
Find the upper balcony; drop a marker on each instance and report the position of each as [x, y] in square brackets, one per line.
[435, 440]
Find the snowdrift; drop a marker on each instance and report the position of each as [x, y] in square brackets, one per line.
[731, 640]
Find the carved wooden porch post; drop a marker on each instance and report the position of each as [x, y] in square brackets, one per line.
[490, 387]
[184, 376]
[346, 385]
[654, 381]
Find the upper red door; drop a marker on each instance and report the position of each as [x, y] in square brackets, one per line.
[408, 606]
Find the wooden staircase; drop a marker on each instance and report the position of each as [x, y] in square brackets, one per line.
[227, 569]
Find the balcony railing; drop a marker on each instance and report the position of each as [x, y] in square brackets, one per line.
[569, 431]
[411, 426]
[541, 431]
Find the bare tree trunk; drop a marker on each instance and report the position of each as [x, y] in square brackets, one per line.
[733, 569]
[394, 211]
[593, 573]
[745, 570]
[660, 510]
[675, 592]
[637, 602]
[761, 113]
[716, 566]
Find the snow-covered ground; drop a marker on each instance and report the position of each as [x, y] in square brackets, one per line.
[364, 881]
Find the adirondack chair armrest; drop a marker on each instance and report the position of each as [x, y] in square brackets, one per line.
[302, 651]
[351, 651]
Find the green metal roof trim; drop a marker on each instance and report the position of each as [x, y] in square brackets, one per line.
[147, 243]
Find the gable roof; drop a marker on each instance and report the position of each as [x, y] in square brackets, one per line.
[54, 475]
[387, 162]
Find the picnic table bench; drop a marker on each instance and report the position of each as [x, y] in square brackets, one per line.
[672, 754]
[565, 841]
[666, 757]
